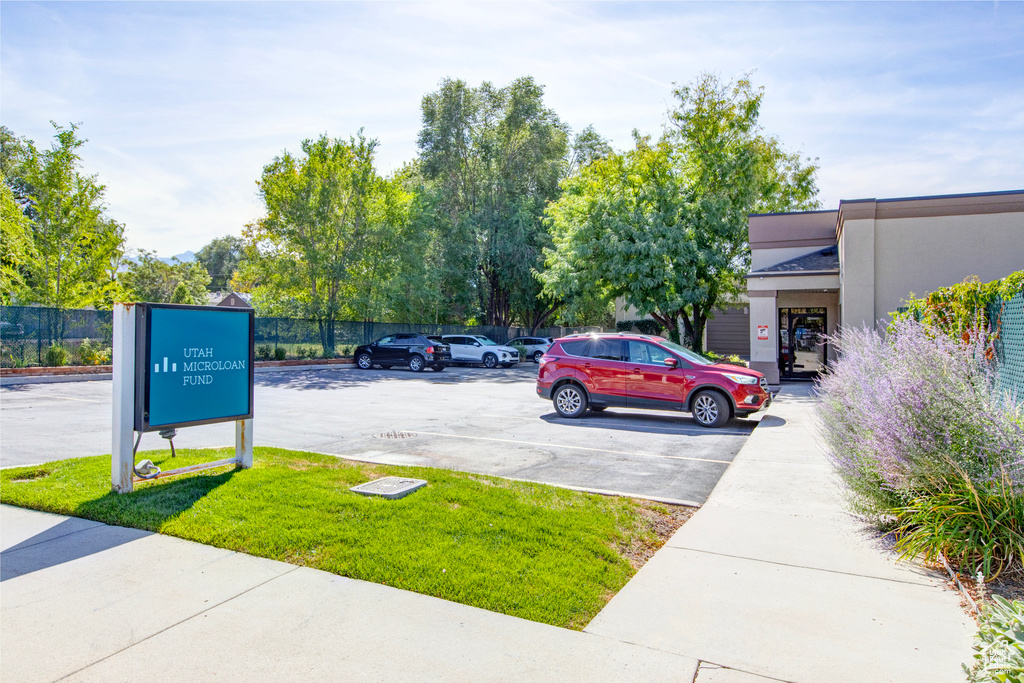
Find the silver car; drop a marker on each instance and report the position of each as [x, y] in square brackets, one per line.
[535, 346]
[475, 348]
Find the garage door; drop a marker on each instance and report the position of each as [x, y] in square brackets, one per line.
[729, 332]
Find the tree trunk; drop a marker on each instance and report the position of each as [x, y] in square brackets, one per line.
[539, 318]
[497, 304]
[327, 336]
[700, 321]
[670, 321]
[688, 340]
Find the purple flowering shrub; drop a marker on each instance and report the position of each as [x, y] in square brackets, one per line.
[900, 415]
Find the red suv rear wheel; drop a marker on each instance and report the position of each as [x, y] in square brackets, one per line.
[570, 400]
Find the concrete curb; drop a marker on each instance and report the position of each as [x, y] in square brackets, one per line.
[12, 376]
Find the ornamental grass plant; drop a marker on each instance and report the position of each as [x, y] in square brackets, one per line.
[974, 526]
[917, 429]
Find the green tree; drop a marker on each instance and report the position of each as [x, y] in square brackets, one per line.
[587, 146]
[494, 157]
[386, 264]
[664, 226]
[75, 245]
[17, 251]
[148, 278]
[326, 240]
[220, 258]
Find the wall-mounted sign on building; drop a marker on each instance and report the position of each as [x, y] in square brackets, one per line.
[762, 332]
[179, 366]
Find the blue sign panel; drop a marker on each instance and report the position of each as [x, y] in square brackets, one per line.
[193, 365]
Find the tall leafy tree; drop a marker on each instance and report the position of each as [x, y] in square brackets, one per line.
[75, 246]
[220, 258]
[148, 278]
[664, 226]
[494, 157]
[323, 247]
[17, 250]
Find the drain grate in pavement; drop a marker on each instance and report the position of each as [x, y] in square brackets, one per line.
[394, 434]
[389, 487]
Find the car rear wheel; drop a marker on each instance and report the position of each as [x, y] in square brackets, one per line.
[490, 360]
[570, 401]
[416, 363]
[710, 409]
[364, 361]
[537, 355]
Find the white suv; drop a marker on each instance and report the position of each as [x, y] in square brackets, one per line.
[535, 346]
[474, 348]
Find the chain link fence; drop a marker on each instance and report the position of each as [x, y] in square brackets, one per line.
[1008, 322]
[27, 334]
[302, 338]
[79, 337]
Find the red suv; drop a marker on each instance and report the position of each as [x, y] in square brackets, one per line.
[599, 371]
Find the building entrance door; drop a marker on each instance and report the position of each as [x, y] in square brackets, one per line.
[802, 346]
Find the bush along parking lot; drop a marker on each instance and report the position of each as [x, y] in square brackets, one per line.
[931, 448]
[538, 552]
[927, 445]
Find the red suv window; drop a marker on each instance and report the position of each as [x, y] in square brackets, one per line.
[576, 347]
[647, 354]
[605, 349]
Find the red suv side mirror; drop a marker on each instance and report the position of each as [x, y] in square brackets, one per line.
[671, 362]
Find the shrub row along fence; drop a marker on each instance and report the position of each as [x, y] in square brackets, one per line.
[27, 334]
[81, 337]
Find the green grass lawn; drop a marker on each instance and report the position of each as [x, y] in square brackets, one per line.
[529, 550]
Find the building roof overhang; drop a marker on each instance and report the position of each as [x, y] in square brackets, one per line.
[817, 262]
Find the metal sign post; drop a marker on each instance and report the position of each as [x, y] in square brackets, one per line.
[179, 366]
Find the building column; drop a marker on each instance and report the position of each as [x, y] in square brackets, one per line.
[764, 333]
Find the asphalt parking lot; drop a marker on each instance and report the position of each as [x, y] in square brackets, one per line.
[468, 419]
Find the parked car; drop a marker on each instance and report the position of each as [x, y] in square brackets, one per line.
[599, 371]
[475, 348]
[417, 351]
[10, 330]
[535, 346]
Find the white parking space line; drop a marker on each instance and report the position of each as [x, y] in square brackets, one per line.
[607, 422]
[578, 448]
[39, 396]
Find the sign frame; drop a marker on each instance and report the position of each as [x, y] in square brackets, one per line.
[143, 350]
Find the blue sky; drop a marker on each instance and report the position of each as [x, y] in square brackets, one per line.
[183, 103]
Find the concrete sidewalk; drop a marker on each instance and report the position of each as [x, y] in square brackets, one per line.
[83, 601]
[769, 579]
[772, 577]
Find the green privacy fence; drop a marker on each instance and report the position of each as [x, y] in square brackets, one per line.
[1007, 317]
[27, 332]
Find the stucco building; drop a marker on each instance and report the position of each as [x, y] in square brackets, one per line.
[816, 271]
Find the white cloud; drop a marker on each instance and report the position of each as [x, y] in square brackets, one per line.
[184, 103]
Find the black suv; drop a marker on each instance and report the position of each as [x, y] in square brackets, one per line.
[418, 351]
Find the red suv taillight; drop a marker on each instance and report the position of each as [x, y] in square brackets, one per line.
[430, 349]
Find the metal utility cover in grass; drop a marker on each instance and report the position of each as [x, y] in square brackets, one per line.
[390, 487]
